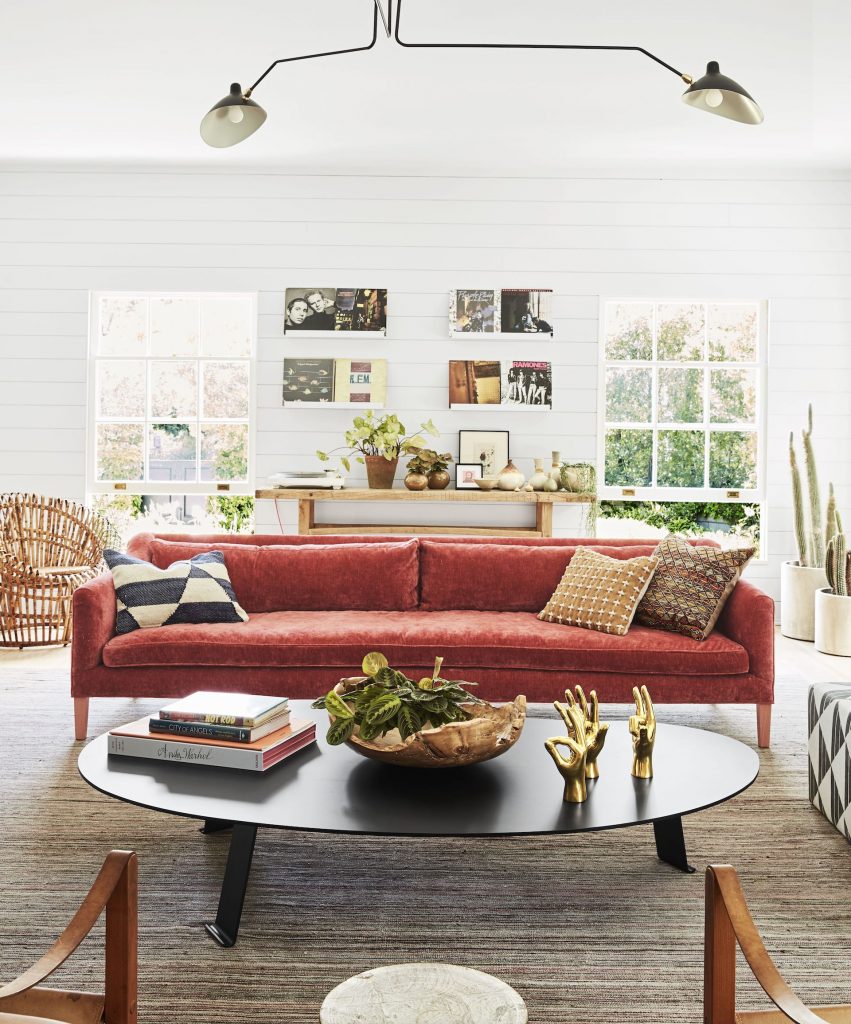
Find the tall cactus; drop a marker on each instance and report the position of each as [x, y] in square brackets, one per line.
[812, 488]
[798, 506]
[830, 527]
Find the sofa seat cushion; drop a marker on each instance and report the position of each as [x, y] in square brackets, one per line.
[514, 640]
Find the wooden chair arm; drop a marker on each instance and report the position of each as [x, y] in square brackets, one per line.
[112, 872]
[724, 882]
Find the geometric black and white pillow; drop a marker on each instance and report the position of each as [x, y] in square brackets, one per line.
[194, 590]
[829, 719]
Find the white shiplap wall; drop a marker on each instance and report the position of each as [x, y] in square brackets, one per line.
[786, 239]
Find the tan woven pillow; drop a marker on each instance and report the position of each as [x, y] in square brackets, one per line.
[690, 586]
[598, 592]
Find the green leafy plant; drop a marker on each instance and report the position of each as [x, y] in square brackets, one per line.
[386, 436]
[426, 460]
[386, 699]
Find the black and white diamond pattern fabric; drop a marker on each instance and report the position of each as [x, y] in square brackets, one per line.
[198, 590]
[829, 715]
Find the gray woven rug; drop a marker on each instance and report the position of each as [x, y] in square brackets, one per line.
[587, 928]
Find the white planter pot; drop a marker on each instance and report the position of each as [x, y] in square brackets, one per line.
[798, 586]
[833, 623]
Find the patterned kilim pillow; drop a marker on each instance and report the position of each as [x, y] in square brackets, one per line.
[598, 592]
[198, 590]
[690, 586]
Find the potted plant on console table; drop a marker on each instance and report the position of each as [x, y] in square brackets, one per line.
[377, 444]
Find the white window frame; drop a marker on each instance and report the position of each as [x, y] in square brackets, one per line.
[750, 496]
[211, 487]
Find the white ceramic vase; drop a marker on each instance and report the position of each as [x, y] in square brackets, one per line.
[539, 477]
[798, 586]
[833, 623]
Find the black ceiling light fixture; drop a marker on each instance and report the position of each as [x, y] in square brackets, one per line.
[237, 116]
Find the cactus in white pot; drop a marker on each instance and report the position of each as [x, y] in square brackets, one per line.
[833, 605]
[800, 580]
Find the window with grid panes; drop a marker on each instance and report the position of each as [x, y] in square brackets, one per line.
[170, 388]
[681, 400]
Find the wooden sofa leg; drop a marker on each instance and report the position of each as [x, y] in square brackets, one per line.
[763, 725]
[81, 717]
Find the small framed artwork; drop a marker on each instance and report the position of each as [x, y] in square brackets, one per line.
[487, 447]
[466, 475]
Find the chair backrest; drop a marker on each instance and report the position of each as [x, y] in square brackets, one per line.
[41, 531]
[728, 922]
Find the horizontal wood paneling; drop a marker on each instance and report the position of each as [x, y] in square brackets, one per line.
[762, 235]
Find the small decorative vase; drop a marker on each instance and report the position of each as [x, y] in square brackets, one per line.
[416, 481]
[555, 471]
[550, 484]
[510, 478]
[380, 472]
[438, 479]
[539, 477]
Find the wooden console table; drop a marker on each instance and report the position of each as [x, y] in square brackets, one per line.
[541, 501]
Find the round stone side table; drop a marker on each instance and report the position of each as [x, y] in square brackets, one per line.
[423, 994]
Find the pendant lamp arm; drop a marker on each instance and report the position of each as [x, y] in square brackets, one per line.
[534, 46]
[329, 53]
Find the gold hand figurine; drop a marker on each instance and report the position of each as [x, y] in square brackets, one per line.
[595, 734]
[573, 768]
[642, 725]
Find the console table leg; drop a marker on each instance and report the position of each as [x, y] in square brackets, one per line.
[670, 842]
[225, 928]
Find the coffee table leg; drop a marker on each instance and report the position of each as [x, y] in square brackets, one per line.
[670, 842]
[226, 926]
[215, 825]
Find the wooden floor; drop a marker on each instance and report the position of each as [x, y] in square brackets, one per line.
[792, 656]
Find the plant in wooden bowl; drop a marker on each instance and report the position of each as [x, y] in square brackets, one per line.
[433, 723]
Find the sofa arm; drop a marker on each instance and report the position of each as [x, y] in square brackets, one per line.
[94, 623]
[748, 618]
[139, 546]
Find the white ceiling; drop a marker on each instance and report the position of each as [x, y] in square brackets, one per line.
[128, 82]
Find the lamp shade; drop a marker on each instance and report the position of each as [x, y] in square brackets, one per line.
[717, 94]
[232, 119]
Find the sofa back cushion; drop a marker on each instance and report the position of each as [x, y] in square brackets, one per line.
[499, 577]
[332, 577]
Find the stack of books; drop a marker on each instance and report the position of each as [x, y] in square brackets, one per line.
[226, 730]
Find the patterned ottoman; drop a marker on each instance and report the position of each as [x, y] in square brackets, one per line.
[829, 713]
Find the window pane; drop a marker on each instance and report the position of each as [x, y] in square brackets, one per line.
[119, 451]
[681, 331]
[732, 396]
[121, 388]
[171, 451]
[174, 327]
[224, 451]
[628, 395]
[123, 327]
[629, 458]
[174, 390]
[733, 333]
[680, 395]
[629, 330]
[732, 459]
[225, 390]
[680, 455]
[226, 327]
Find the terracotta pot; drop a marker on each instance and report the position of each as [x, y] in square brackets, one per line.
[416, 481]
[438, 479]
[380, 472]
[798, 586]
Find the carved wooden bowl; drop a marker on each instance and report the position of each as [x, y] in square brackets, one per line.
[495, 729]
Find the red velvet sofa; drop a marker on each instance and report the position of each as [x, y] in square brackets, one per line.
[316, 605]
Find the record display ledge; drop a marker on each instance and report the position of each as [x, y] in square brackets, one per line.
[296, 403]
[541, 501]
[498, 407]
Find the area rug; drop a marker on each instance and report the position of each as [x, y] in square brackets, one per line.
[587, 928]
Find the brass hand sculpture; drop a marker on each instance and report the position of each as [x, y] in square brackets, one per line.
[572, 768]
[642, 725]
[595, 734]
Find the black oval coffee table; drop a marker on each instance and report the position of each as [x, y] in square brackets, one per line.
[333, 789]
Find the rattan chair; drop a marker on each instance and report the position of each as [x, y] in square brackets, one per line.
[24, 1001]
[48, 547]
